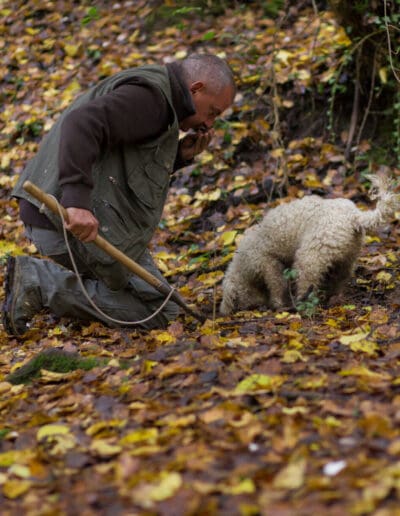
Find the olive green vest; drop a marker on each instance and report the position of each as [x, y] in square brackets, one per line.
[130, 183]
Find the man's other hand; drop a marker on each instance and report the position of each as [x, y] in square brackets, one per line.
[194, 143]
[82, 224]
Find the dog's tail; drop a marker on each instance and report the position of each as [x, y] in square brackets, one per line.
[382, 189]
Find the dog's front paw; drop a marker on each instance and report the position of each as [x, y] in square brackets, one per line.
[225, 308]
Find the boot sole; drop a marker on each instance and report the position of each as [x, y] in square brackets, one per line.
[8, 305]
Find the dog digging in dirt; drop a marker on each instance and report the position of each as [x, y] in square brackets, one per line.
[319, 238]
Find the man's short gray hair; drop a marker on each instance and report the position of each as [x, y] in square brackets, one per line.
[210, 69]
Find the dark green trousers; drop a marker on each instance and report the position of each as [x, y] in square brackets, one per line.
[62, 294]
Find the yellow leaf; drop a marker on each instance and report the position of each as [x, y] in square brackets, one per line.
[312, 181]
[13, 488]
[170, 482]
[142, 434]
[10, 457]
[146, 450]
[327, 75]
[366, 346]
[211, 415]
[19, 470]
[333, 323]
[214, 195]
[292, 355]
[133, 37]
[5, 387]
[238, 341]
[383, 75]
[149, 365]
[291, 476]
[282, 315]
[53, 377]
[165, 338]
[145, 495]
[238, 125]
[180, 54]
[258, 382]
[341, 37]
[315, 382]
[20, 55]
[295, 343]
[349, 339]
[70, 91]
[96, 428]
[48, 43]
[31, 31]
[204, 488]
[384, 277]
[242, 419]
[9, 248]
[329, 421]
[155, 48]
[206, 157]
[163, 255]
[174, 368]
[394, 447]
[369, 239]
[102, 448]
[245, 486]
[228, 237]
[277, 153]
[5, 162]
[288, 103]
[210, 278]
[292, 411]
[251, 79]
[72, 50]
[303, 75]
[283, 56]
[178, 422]
[7, 181]
[56, 331]
[364, 371]
[137, 405]
[51, 430]
[358, 342]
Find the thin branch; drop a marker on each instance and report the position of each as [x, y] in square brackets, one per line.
[356, 102]
[371, 94]
[389, 41]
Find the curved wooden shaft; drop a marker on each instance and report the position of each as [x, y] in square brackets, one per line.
[51, 203]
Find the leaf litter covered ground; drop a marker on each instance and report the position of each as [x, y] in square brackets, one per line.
[270, 413]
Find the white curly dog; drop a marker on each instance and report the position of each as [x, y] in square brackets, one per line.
[320, 238]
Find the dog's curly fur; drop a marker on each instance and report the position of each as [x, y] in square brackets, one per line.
[320, 238]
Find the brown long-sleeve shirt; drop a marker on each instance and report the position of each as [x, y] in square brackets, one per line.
[132, 113]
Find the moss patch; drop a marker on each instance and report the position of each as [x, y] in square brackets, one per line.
[54, 360]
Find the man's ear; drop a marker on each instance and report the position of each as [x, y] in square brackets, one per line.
[196, 86]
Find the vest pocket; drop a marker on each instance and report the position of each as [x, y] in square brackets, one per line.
[112, 225]
[149, 185]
